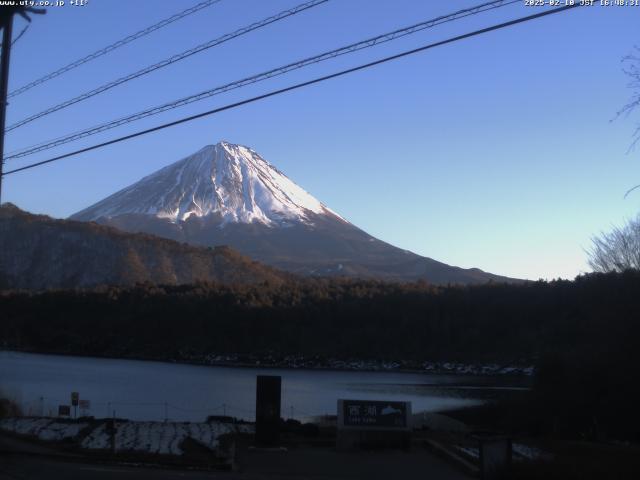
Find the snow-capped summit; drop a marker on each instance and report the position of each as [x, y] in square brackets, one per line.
[229, 180]
[227, 194]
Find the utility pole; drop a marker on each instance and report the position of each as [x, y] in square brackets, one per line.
[6, 23]
[7, 29]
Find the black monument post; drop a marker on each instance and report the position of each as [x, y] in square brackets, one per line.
[268, 390]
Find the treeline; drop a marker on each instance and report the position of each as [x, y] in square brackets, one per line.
[336, 318]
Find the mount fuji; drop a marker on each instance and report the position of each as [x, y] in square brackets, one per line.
[227, 194]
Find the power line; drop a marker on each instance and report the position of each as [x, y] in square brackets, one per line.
[169, 61]
[22, 32]
[265, 75]
[300, 85]
[371, 42]
[115, 45]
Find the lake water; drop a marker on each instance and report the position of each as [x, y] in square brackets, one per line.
[144, 390]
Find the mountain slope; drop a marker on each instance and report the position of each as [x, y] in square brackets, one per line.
[226, 180]
[40, 252]
[227, 194]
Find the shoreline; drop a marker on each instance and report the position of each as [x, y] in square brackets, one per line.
[335, 365]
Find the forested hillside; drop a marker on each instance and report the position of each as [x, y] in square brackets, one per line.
[40, 252]
[337, 318]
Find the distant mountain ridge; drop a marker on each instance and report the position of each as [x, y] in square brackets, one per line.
[227, 194]
[39, 252]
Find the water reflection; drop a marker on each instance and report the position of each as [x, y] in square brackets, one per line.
[152, 390]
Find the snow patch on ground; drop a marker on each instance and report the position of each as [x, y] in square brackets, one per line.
[98, 439]
[148, 437]
[521, 452]
[527, 452]
[473, 452]
[160, 437]
[43, 428]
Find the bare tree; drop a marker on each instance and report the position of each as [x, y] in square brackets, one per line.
[631, 68]
[617, 250]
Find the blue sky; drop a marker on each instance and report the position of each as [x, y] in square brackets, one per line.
[496, 152]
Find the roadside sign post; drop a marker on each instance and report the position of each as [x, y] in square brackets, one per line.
[373, 423]
[85, 406]
[75, 398]
[64, 411]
